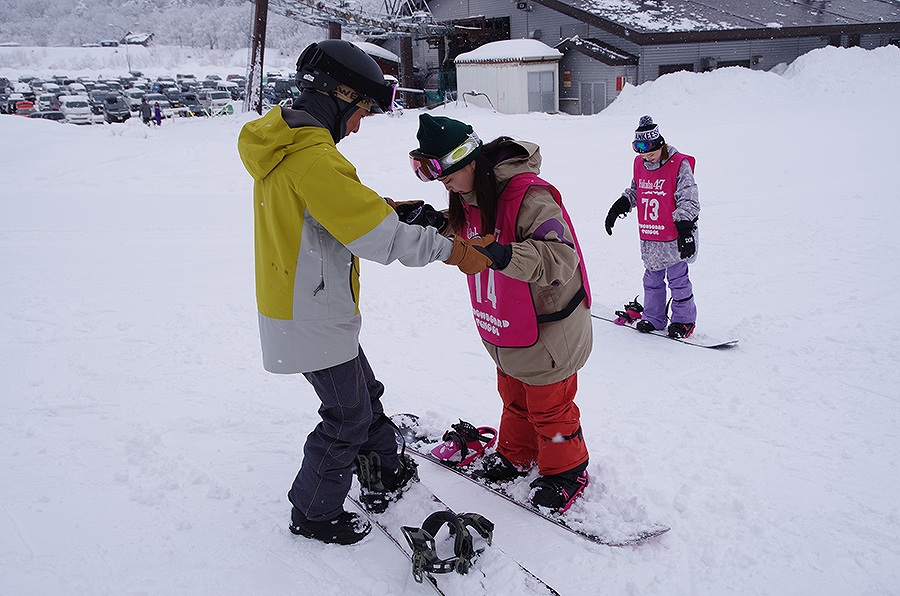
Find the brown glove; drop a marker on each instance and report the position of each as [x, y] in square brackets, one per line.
[469, 260]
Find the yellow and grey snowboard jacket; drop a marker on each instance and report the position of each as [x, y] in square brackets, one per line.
[313, 219]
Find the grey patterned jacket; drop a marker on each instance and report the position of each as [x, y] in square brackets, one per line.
[660, 255]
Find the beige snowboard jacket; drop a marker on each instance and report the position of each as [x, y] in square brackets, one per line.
[550, 265]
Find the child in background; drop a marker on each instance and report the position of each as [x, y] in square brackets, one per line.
[665, 193]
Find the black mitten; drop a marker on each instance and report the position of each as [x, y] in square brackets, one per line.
[420, 213]
[621, 207]
[499, 254]
[686, 246]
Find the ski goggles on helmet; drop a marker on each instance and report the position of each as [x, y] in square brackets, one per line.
[646, 146]
[429, 168]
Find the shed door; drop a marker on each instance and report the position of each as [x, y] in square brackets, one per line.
[541, 91]
[593, 97]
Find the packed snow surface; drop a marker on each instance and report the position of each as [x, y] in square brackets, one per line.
[145, 451]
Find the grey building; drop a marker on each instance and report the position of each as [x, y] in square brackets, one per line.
[606, 43]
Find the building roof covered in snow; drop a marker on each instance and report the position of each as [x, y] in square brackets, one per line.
[376, 51]
[673, 21]
[510, 50]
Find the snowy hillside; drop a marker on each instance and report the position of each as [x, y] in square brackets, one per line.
[145, 451]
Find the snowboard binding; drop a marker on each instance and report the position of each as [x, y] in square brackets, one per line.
[422, 541]
[464, 443]
[631, 313]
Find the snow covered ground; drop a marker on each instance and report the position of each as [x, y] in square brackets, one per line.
[145, 451]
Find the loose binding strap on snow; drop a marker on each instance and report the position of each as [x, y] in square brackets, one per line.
[421, 540]
[463, 438]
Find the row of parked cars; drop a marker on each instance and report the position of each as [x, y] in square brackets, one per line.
[88, 101]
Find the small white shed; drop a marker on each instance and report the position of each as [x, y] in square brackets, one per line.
[518, 75]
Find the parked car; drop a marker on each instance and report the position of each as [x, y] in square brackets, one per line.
[96, 99]
[174, 96]
[280, 89]
[115, 109]
[47, 102]
[9, 106]
[51, 88]
[109, 43]
[25, 89]
[133, 98]
[76, 109]
[75, 88]
[190, 105]
[215, 102]
[49, 115]
[53, 115]
[25, 108]
[113, 85]
[231, 88]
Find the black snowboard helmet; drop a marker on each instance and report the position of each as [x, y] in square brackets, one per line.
[325, 65]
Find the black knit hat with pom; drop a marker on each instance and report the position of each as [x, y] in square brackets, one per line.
[648, 131]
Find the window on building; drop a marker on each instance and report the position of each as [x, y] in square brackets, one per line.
[541, 91]
[669, 68]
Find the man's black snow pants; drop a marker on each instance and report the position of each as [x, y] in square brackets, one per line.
[352, 421]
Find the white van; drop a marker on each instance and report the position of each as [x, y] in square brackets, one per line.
[215, 102]
[47, 102]
[134, 97]
[231, 88]
[76, 109]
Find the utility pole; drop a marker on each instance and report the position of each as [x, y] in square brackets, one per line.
[253, 98]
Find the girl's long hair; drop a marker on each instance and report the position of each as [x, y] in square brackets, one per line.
[486, 193]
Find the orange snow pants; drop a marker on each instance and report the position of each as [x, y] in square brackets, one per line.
[541, 423]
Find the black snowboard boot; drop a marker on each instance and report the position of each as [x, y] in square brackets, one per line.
[496, 468]
[379, 486]
[680, 330]
[645, 326]
[346, 528]
[558, 491]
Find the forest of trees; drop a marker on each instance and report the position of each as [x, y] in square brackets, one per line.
[212, 24]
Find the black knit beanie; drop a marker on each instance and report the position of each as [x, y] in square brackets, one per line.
[648, 131]
[439, 135]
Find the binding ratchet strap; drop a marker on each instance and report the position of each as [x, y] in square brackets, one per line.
[424, 556]
[462, 433]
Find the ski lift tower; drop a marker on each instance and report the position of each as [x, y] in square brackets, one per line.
[403, 19]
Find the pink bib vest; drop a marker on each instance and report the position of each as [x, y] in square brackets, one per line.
[656, 197]
[503, 306]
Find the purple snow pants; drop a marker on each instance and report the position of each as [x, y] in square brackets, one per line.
[683, 308]
[352, 421]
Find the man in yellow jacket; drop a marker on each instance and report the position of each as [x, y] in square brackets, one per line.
[313, 220]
